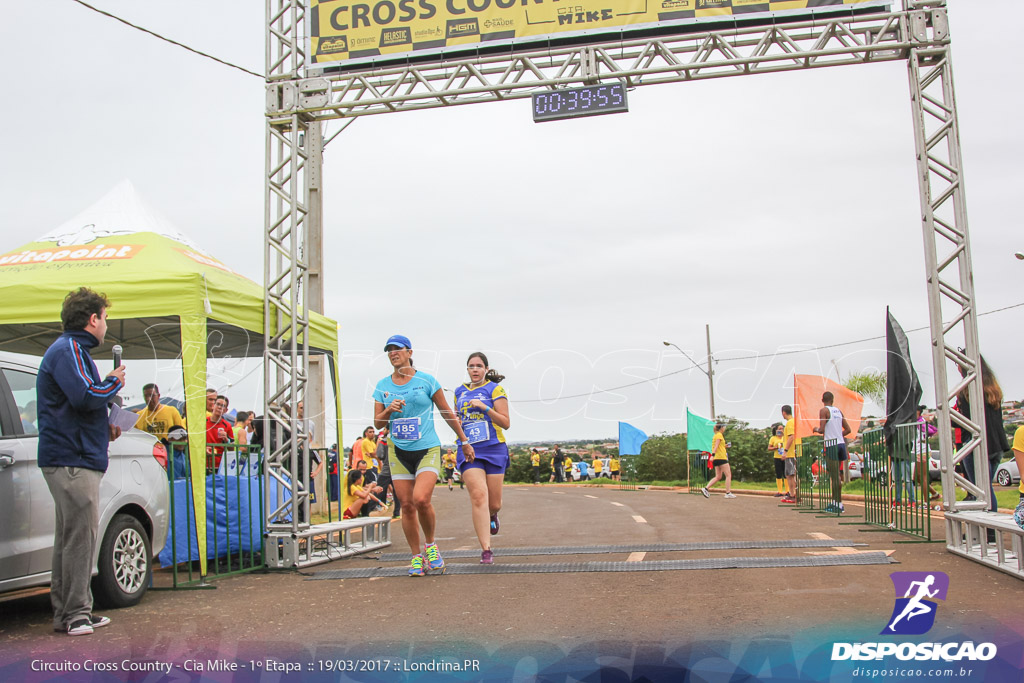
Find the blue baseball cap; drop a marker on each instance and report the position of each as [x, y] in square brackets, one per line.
[398, 340]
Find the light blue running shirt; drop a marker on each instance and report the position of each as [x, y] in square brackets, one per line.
[418, 394]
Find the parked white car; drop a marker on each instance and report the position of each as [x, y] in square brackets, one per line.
[134, 508]
[1007, 474]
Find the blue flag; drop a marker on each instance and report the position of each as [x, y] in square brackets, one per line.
[630, 439]
[699, 432]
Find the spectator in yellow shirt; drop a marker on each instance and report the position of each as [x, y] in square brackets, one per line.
[614, 468]
[1018, 455]
[776, 448]
[157, 418]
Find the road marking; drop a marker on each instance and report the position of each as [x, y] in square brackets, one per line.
[561, 493]
[619, 504]
[639, 520]
[636, 557]
[587, 495]
[839, 550]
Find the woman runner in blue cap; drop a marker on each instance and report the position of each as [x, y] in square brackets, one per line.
[404, 402]
[483, 408]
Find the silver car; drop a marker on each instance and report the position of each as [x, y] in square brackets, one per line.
[1007, 473]
[134, 508]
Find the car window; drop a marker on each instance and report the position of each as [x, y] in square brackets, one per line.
[23, 387]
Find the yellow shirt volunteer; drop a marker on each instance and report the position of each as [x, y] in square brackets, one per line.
[789, 431]
[774, 444]
[1018, 445]
[369, 448]
[613, 464]
[158, 422]
[535, 460]
[598, 466]
[349, 498]
[718, 447]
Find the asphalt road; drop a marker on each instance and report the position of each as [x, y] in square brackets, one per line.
[249, 615]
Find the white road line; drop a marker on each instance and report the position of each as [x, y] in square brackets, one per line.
[561, 493]
[590, 496]
[633, 557]
[639, 520]
[619, 504]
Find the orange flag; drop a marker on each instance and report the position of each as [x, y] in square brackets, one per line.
[807, 404]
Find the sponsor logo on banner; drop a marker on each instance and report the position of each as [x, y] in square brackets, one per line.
[433, 32]
[713, 4]
[395, 36]
[914, 613]
[677, 4]
[330, 46]
[463, 27]
[101, 252]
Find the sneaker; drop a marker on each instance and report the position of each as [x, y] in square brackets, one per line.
[495, 525]
[450, 486]
[99, 622]
[434, 561]
[416, 568]
[487, 557]
[779, 495]
[729, 495]
[787, 499]
[704, 492]
[396, 518]
[81, 627]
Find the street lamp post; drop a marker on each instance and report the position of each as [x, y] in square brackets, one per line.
[709, 373]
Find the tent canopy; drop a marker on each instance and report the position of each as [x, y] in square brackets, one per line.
[153, 275]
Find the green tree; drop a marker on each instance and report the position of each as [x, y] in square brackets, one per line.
[867, 383]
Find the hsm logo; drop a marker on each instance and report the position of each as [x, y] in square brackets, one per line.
[914, 613]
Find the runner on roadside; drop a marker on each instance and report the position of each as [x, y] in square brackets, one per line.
[721, 463]
[448, 460]
[834, 429]
[482, 405]
[613, 467]
[404, 402]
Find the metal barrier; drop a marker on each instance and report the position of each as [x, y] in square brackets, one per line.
[235, 474]
[698, 472]
[896, 489]
[807, 452]
[627, 474]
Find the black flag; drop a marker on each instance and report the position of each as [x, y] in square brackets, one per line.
[902, 388]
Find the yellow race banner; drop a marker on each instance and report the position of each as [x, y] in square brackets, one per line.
[347, 30]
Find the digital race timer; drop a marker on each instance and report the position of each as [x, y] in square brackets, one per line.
[591, 100]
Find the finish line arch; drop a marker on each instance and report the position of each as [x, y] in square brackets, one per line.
[300, 98]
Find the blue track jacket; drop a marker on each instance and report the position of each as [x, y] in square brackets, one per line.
[72, 405]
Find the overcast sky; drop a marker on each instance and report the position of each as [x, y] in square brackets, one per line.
[783, 210]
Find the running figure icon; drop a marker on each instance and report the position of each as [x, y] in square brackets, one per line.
[915, 607]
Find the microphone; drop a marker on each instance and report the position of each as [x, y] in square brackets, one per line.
[117, 355]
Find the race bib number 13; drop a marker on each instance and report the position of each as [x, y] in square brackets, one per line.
[407, 428]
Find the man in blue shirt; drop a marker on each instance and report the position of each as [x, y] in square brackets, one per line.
[74, 437]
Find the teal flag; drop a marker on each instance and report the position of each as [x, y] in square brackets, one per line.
[630, 439]
[699, 432]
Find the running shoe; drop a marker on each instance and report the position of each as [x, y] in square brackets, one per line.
[81, 627]
[704, 492]
[495, 525]
[487, 557]
[787, 499]
[729, 495]
[779, 495]
[416, 568]
[433, 557]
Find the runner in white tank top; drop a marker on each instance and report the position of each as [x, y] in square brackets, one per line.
[833, 429]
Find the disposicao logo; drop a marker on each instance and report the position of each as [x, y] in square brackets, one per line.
[914, 614]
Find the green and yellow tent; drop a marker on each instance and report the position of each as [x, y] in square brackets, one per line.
[169, 299]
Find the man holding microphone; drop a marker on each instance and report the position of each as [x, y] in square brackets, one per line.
[74, 437]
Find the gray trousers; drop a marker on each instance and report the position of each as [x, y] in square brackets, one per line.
[76, 498]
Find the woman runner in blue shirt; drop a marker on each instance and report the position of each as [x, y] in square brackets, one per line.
[404, 402]
[483, 408]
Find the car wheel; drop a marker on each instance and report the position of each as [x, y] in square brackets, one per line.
[1003, 478]
[124, 563]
